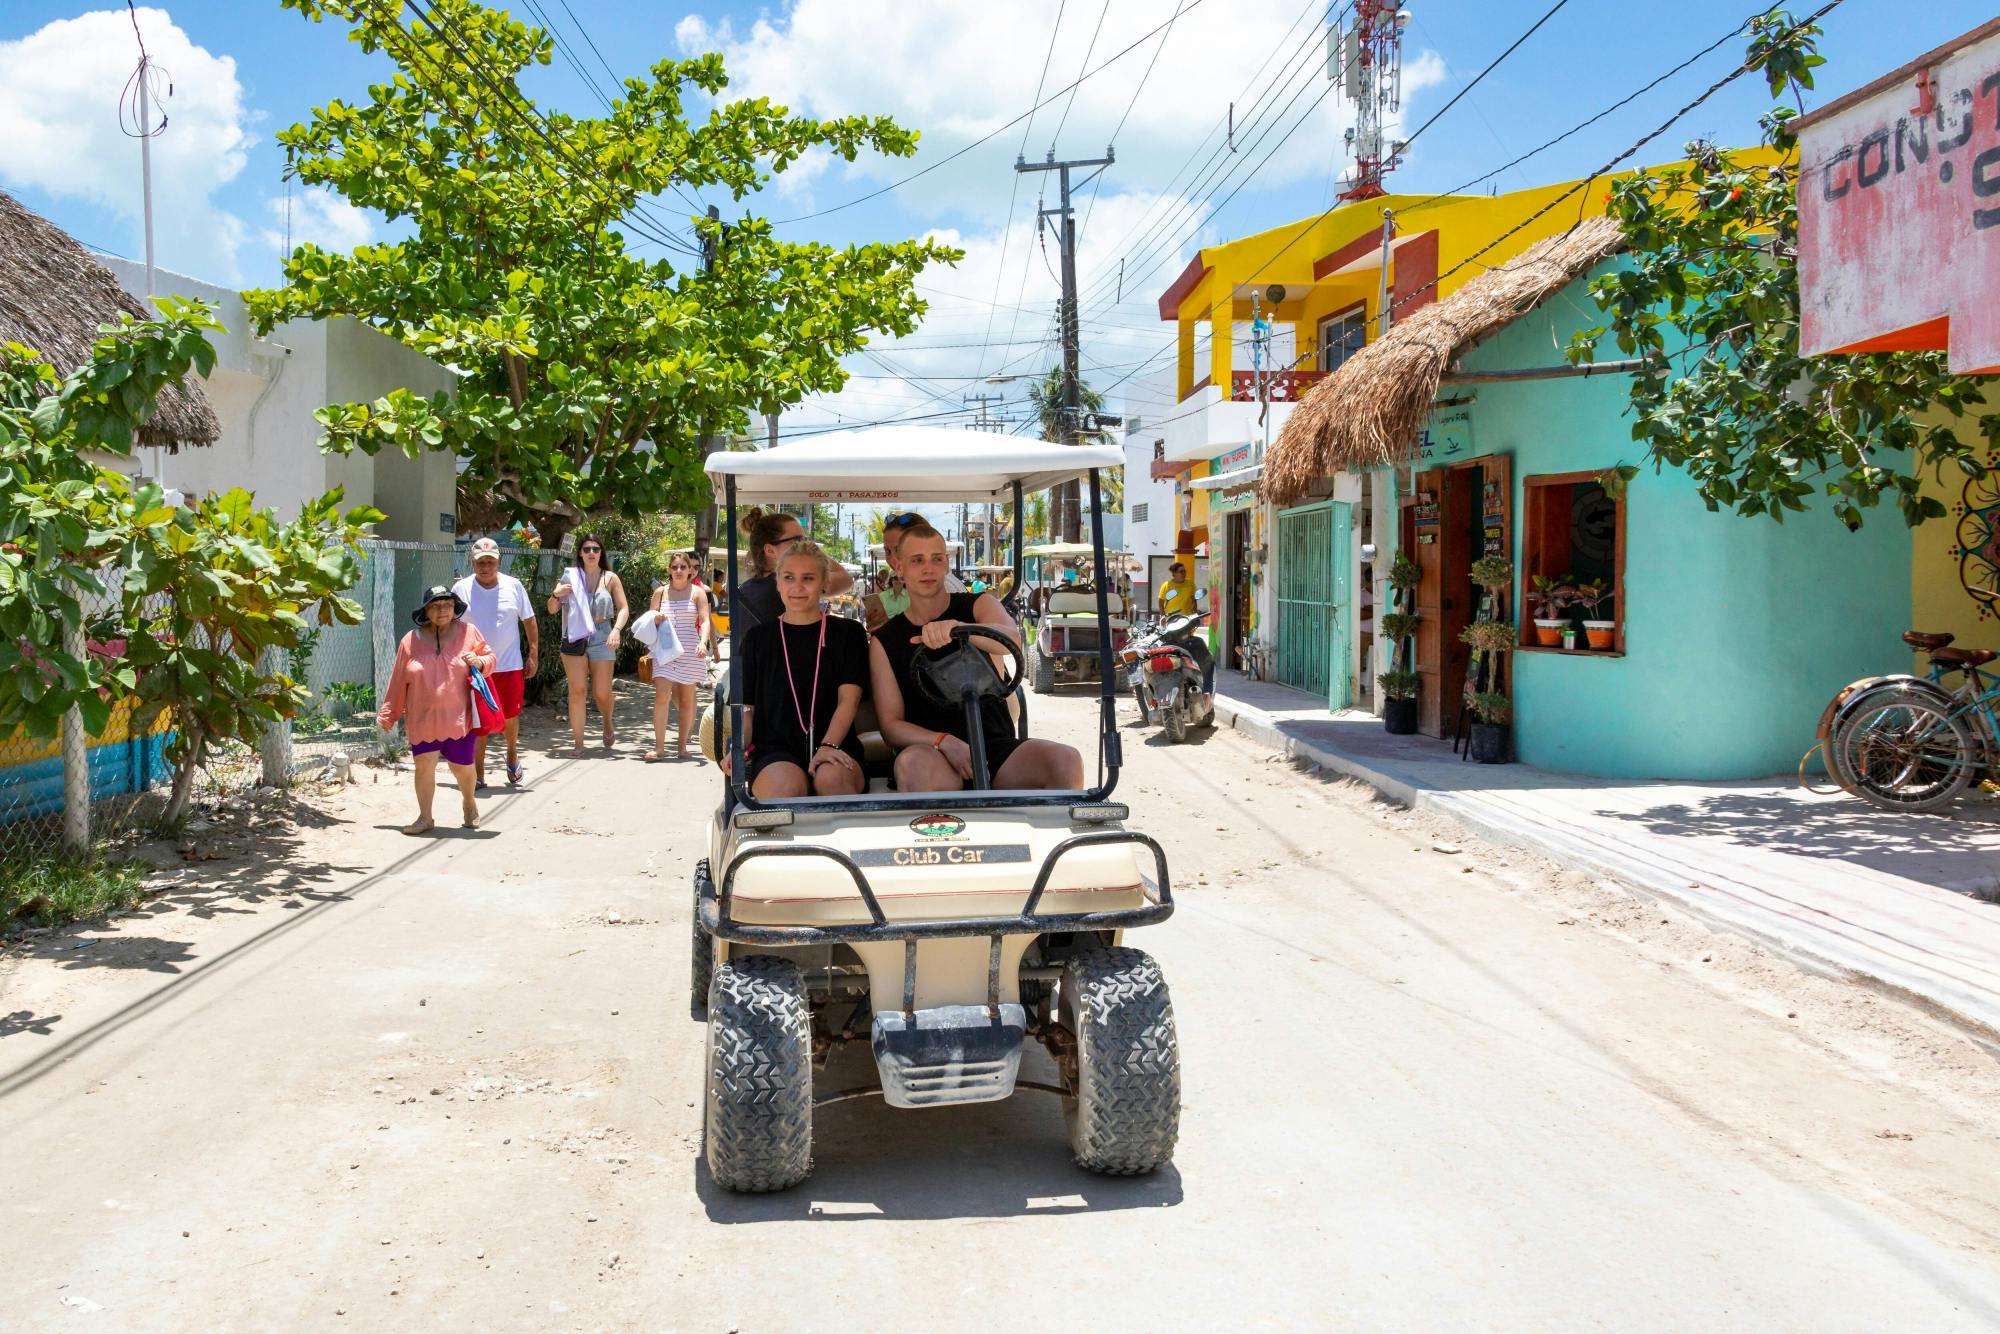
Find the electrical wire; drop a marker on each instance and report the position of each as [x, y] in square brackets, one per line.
[524, 113]
[990, 135]
[1098, 183]
[1083, 65]
[1014, 188]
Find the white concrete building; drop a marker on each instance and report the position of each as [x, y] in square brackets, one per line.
[265, 391]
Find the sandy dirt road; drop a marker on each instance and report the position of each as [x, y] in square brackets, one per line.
[368, 1081]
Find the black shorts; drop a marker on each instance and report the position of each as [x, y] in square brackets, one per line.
[763, 757]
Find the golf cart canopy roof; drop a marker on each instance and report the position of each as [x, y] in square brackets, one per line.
[1064, 550]
[906, 465]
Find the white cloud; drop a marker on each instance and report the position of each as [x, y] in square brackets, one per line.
[321, 217]
[59, 103]
[994, 312]
[957, 72]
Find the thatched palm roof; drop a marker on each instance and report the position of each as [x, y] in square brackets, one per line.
[1369, 412]
[53, 296]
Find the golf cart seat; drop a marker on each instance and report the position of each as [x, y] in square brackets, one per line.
[1076, 600]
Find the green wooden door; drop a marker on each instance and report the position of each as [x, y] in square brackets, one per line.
[1312, 599]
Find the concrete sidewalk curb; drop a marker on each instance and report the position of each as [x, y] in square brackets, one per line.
[1966, 1007]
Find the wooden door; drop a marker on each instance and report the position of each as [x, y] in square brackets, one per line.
[1426, 539]
[1458, 600]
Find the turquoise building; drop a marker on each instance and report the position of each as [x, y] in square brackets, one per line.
[1720, 636]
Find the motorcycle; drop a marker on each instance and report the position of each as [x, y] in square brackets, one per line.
[1166, 677]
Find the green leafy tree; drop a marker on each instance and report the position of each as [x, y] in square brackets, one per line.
[177, 604]
[1046, 397]
[210, 592]
[589, 372]
[1711, 297]
[65, 522]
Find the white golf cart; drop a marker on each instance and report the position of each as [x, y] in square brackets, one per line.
[944, 929]
[1065, 643]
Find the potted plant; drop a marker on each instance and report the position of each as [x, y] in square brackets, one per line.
[1552, 595]
[1602, 634]
[1399, 682]
[1495, 574]
[1491, 712]
[1399, 714]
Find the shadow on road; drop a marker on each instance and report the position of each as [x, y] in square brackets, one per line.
[875, 1163]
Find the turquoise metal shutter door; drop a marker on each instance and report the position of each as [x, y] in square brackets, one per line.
[1305, 590]
[1340, 541]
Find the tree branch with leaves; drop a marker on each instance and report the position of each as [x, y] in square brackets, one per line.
[589, 373]
[1711, 297]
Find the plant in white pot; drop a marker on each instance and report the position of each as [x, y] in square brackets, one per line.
[1591, 596]
[1551, 596]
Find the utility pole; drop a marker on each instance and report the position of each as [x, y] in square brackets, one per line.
[1066, 518]
[705, 518]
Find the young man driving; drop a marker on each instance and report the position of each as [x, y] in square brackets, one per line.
[932, 751]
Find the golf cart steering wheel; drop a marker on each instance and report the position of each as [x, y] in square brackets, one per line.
[947, 676]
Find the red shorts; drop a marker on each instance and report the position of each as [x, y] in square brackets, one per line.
[508, 688]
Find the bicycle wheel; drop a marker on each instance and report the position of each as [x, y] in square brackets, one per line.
[1907, 750]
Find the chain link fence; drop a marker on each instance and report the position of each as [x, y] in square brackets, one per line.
[77, 789]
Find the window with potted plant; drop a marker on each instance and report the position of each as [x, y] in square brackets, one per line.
[1399, 682]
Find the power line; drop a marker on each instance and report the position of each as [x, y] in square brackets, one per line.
[1585, 124]
[1014, 188]
[525, 114]
[1096, 185]
[1160, 241]
[1085, 64]
[990, 135]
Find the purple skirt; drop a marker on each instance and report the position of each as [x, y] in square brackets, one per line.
[458, 750]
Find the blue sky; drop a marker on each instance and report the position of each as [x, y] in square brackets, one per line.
[246, 68]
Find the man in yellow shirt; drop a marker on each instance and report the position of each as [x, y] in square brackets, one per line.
[1177, 594]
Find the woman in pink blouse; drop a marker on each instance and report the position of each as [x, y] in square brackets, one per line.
[430, 690]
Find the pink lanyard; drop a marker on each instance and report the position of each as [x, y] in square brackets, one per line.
[784, 647]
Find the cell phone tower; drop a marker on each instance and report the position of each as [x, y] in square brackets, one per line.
[1367, 59]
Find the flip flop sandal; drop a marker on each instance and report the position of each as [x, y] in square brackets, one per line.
[515, 774]
[416, 827]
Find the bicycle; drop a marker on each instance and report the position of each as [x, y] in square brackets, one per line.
[1912, 743]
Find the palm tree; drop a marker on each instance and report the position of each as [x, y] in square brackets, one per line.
[1046, 396]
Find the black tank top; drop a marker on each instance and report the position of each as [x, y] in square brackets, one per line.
[895, 636]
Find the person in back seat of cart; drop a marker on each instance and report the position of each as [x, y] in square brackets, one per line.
[933, 754]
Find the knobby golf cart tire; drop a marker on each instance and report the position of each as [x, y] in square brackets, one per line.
[759, 1110]
[1126, 1114]
[1041, 672]
[701, 967]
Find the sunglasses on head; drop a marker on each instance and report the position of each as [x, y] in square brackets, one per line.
[902, 520]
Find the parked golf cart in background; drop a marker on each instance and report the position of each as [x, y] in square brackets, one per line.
[942, 929]
[1065, 641]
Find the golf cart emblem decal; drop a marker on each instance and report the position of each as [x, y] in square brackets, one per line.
[938, 826]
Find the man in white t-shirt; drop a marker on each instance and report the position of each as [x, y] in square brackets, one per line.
[498, 604]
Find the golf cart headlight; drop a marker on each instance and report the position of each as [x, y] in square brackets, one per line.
[762, 819]
[1103, 812]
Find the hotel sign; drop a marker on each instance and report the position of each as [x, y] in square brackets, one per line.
[1899, 211]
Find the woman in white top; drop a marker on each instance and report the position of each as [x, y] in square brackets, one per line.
[684, 604]
[591, 601]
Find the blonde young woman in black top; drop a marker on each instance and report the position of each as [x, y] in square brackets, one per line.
[803, 676]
